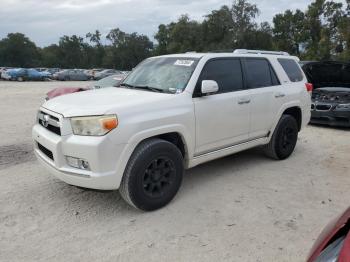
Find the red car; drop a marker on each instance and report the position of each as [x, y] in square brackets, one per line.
[113, 80]
[333, 245]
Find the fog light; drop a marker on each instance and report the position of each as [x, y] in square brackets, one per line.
[78, 163]
[343, 106]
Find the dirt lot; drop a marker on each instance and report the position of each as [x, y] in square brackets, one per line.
[240, 208]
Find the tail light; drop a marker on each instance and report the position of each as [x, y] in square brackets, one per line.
[309, 87]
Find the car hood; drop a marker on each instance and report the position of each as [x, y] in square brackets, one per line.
[110, 100]
[328, 74]
[333, 89]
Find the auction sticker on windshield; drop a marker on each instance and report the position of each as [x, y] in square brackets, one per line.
[184, 62]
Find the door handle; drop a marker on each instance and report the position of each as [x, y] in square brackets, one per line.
[279, 95]
[243, 101]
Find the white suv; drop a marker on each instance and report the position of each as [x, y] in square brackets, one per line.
[172, 113]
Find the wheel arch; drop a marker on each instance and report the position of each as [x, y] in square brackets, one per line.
[295, 112]
[175, 135]
[292, 108]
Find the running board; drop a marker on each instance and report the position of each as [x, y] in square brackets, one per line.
[227, 151]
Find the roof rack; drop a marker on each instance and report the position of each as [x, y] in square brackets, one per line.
[262, 52]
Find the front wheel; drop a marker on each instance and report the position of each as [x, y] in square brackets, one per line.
[153, 175]
[284, 138]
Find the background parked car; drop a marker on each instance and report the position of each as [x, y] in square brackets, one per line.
[105, 73]
[333, 244]
[92, 72]
[23, 74]
[331, 94]
[53, 71]
[3, 69]
[110, 81]
[41, 69]
[71, 75]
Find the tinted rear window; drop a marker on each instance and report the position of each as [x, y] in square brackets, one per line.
[292, 69]
[259, 73]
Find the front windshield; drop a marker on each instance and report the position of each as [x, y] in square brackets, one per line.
[169, 74]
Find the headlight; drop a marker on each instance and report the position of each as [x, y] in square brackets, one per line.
[93, 125]
[343, 106]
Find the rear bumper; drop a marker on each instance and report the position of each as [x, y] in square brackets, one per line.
[331, 117]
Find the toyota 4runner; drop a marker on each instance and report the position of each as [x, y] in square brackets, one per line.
[172, 113]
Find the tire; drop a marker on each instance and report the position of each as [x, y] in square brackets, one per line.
[153, 175]
[284, 138]
[66, 78]
[20, 79]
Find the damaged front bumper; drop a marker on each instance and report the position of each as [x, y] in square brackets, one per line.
[332, 114]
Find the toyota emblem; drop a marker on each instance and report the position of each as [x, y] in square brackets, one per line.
[45, 121]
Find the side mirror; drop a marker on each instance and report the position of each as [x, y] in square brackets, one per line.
[209, 86]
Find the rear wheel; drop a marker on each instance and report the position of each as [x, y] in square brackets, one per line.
[153, 175]
[284, 138]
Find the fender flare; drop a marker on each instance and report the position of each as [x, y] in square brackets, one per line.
[282, 110]
[137, 138]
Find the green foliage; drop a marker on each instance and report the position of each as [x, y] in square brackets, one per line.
[289, 31]
[321, 32]
[17, 50]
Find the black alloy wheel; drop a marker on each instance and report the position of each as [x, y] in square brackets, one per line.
[159, 176]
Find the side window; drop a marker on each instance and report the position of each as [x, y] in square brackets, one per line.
[260, 73]
[275, 81]
[292, 69]
[226, 72]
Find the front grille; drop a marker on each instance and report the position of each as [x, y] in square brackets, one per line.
[323, 107]
[46, 151]
[49, 122]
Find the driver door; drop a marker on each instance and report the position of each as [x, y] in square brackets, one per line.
[223, 118]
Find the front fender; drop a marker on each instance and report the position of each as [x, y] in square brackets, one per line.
[137, 138]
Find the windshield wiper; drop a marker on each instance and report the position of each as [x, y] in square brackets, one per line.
[154, 89]
[127, 85]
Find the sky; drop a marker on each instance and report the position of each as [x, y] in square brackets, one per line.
[45, 21]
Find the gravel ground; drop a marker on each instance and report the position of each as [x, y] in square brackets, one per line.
[244, 207]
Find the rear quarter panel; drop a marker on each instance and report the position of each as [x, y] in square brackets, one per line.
[296, 93]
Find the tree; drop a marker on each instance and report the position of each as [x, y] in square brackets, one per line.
[127, 50]
[162, 36]
[17, 50]
[95, 54]
[289, 31]
[95, 38]
[72, 51]
[218, 30]
[322, 25]
[243, 16]
[50, 56]
[181, 36]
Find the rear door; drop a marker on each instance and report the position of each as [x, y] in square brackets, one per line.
[263, 86]
[222, 119]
